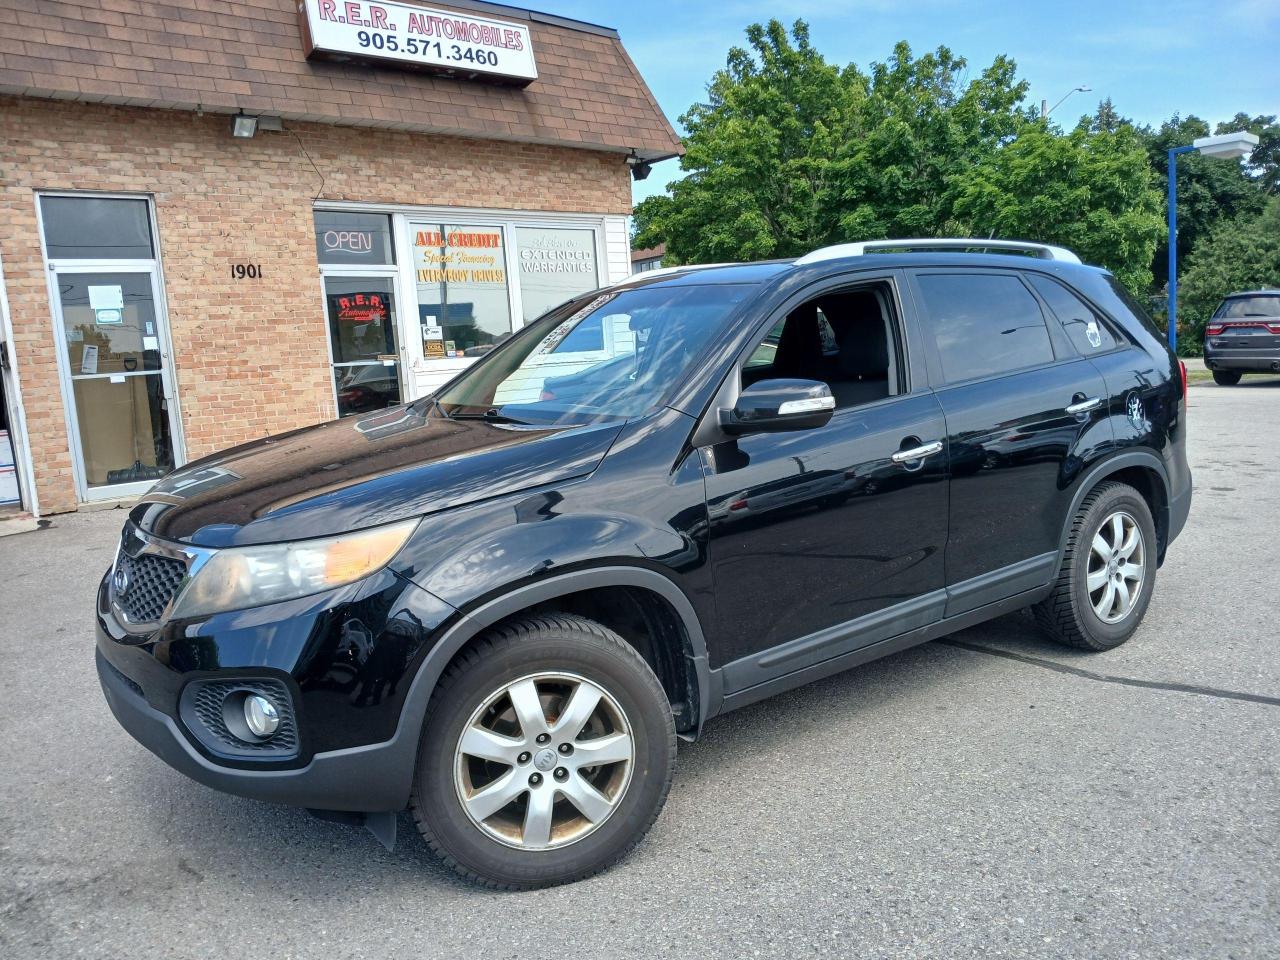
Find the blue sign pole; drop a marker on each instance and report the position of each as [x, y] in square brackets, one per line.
[1173, 245]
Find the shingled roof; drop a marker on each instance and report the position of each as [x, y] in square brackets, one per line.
[249, 55]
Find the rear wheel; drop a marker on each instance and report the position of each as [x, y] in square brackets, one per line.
[547, 754]
[1108, 571]
[1226, 378]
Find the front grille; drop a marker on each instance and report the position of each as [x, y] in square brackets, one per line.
[204, 710]
[150, 582]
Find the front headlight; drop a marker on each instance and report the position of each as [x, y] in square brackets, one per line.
[239, 577]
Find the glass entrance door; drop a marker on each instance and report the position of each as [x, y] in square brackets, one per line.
[362, 337]
[119, 382]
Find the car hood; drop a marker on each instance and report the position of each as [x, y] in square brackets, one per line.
[360, 472]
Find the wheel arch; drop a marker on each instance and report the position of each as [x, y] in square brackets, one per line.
[1141, 469]
[642, 605]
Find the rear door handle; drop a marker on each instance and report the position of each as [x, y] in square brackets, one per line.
[1085, 406]
[917, 453]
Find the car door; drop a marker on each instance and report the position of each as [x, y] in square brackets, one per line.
[1023, 414]
[823, 540]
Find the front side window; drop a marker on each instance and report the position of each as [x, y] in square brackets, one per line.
[1086, 330]
[846, 339]
[983, 324]
[614, 356]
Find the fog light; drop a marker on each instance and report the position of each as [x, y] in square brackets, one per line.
[260, 716]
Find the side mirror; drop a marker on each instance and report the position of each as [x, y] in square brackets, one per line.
[774, 406]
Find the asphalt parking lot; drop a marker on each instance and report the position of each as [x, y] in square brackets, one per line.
[987, 795]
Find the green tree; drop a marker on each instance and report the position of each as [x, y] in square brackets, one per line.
[1241, 254]
[919, 123]
[1090, 191]
[757, 155]
[1264, 165]
[790, 152]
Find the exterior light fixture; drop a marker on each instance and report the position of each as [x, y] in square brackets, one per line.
[640, 170]
[1225, 146]
[243, 126]
[260, 716]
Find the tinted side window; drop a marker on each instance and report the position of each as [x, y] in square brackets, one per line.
[1087, 332]
[983, 324]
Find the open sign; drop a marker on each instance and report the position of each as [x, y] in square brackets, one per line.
[348, 241]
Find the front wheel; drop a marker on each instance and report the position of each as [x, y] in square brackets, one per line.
[1108, 571]
[546, 756]
[1226, 378]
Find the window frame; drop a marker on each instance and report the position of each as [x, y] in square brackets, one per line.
[913, 374]
[1120, 338]
[1059, 344]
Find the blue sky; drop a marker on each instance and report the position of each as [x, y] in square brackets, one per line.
[1151, 58]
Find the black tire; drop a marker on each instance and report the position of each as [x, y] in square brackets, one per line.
[538, 645]
[1227, 378]
[1067, 614]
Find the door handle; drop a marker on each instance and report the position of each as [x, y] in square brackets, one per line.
[917, 453]
[1084, 406]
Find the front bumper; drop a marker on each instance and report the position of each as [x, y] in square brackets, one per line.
[365, 779]
[347, 658]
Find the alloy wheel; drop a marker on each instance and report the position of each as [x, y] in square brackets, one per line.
[1117, 567]
[544, 761]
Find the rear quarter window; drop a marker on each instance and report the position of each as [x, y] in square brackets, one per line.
[983, 324]
[1084, 328]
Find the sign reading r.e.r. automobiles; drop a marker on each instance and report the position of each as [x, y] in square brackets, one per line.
[438, 41]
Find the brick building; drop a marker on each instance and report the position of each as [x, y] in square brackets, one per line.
[229, 219]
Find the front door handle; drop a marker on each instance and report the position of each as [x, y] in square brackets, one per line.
[917, 453]
[1084, 406]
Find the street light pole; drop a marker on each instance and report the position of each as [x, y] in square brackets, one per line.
[1227, 146]
[1045, 109]
[1173, 244]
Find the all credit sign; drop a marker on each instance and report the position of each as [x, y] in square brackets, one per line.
[439, 41]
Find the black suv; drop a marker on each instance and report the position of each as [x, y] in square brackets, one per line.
[1243, 336]
[499, 606]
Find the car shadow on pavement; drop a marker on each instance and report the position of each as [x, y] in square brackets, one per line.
[278, 847]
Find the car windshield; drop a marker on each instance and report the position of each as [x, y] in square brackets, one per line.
[612, 356]
[1261, 306]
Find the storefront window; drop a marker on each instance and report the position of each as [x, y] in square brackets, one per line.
[555, 265]
[95, 228]
[463, 300]
[354, 238]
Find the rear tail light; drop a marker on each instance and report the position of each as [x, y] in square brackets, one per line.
[1183, 367]
[1215, 329]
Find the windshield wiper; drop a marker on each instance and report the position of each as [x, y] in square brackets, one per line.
[491, 415]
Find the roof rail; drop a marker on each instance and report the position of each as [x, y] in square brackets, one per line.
[664, 272]
[1042, 250]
